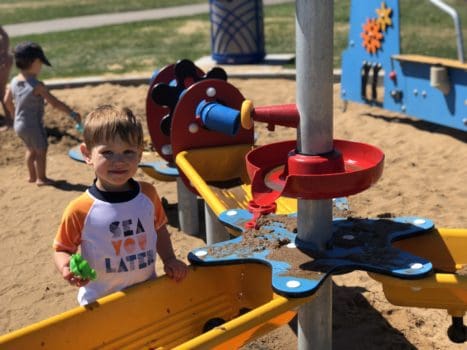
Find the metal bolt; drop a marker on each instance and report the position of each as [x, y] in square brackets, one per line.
[415, 92]
[166, 150]
[211, 92]
[403, 108]
[419, 221]
[201, 253]
[424, 93]
[416, 266]
[351, 43]
[293, 284]
[464, 121]
[193, 128]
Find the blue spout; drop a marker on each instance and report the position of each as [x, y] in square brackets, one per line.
[218, 117]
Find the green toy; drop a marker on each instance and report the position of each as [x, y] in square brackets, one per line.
[80, 267]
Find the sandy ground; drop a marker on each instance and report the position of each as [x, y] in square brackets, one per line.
[424, 175]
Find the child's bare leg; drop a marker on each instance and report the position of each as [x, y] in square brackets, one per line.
[30, 160]
[41, 164]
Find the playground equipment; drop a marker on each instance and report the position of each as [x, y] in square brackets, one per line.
[180, 317]
[310, 172]
[338, 246]
[195, 121]
[429, 88]
[180, 120]
[446, 288]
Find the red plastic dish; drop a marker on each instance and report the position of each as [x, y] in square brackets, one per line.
[276, 170]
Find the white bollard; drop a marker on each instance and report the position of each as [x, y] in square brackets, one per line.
[187, 209]
[215, 231]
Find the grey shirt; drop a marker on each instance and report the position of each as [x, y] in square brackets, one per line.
[29, 108]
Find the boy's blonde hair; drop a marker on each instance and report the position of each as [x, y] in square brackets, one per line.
[108, 121]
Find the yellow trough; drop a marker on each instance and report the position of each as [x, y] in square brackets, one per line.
[163, 314]
[447, 287]
[208, 169]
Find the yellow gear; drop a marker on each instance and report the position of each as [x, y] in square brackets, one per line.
[384, 16]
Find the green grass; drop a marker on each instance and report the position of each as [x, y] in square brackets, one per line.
[148, 45]
[428, 31]
[19, 11]
[141, 46]
[279, 28]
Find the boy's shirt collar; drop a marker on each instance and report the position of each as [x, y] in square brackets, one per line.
[115, 197]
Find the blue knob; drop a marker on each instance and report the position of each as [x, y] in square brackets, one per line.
[218, 117]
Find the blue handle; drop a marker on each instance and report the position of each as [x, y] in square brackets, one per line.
[218, 117]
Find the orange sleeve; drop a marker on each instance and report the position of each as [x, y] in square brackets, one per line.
[68, 236]
[160, 218]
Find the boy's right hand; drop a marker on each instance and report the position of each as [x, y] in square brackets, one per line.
[73, 279]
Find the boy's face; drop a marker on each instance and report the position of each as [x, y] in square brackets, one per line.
[36, 67]
[114, 163]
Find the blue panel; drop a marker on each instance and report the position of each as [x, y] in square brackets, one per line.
[161, 167]
[410, 92]
[426, 102]
[355, 54]
[75, 154]
[356, 244]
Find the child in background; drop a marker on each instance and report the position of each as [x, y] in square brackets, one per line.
[118, 223]
[24, 99]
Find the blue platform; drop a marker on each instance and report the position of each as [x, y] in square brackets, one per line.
[75, 154]
[160, 167]
[356, 244]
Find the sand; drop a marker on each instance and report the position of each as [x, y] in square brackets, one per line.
[424, 175]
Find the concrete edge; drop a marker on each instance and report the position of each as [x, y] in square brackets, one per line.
[140, 80]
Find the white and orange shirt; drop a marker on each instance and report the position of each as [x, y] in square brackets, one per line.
[117, 233]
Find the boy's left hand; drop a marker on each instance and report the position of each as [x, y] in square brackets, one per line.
[175, 269]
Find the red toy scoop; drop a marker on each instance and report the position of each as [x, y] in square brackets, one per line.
[277, 170]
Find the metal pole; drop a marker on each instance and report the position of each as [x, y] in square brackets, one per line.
[187, 209]
[215, 231]
[314, 52]
[457, 25]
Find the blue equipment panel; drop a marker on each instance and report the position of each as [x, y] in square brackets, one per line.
[374, 48]
[298, 269]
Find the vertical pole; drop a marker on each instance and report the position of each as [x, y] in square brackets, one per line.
[187, 209]
[215, 231]
[314, 55]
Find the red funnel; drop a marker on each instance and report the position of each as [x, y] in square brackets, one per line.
[277, 170]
